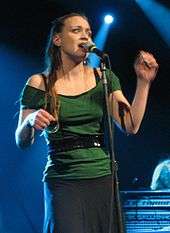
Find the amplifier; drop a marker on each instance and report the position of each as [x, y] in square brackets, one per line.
[146, 211]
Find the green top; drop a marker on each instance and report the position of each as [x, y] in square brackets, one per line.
[79, 115]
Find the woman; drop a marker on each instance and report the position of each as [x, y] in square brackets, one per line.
[69, 96]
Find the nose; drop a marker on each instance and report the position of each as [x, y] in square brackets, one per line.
[84, 35]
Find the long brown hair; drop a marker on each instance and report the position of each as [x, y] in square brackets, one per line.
[53, 60]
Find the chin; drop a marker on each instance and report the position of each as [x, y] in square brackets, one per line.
[80, 59]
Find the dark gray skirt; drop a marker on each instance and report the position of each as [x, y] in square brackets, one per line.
[79, 206]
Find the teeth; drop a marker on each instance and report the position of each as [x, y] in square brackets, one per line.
[87, 45]
[82, 45]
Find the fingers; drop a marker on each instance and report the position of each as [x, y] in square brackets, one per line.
[146, 59]
[46, 115]
[146, 66]
[41, 119]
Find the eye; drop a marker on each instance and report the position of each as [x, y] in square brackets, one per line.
[76, 30]
[89, 34]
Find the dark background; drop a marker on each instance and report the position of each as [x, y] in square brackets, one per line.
[24, 29]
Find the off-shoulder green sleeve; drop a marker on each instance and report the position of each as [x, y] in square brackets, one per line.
[32, 98]
[113, 81]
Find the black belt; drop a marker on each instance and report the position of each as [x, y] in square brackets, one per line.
[75, 143]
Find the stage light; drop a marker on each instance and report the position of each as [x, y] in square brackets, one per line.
[108, 19]
[100, 40]
[159, 15]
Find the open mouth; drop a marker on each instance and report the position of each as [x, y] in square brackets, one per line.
[83, 46]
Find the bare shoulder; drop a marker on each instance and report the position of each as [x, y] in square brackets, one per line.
[36, 81]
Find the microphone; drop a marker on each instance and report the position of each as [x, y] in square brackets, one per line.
[91, 48]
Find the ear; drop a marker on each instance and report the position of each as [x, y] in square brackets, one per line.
[57, 40]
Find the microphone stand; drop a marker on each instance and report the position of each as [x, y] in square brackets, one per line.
[114, 166]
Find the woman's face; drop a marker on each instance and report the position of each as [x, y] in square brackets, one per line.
[76, 30]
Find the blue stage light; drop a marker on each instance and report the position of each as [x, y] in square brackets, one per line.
[108, 19]
[159, 15]
[100, 40]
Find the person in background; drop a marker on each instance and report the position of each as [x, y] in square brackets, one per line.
[65, 102]
[161, 176]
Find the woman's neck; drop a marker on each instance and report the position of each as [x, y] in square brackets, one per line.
[68, 71]
[71, 66]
